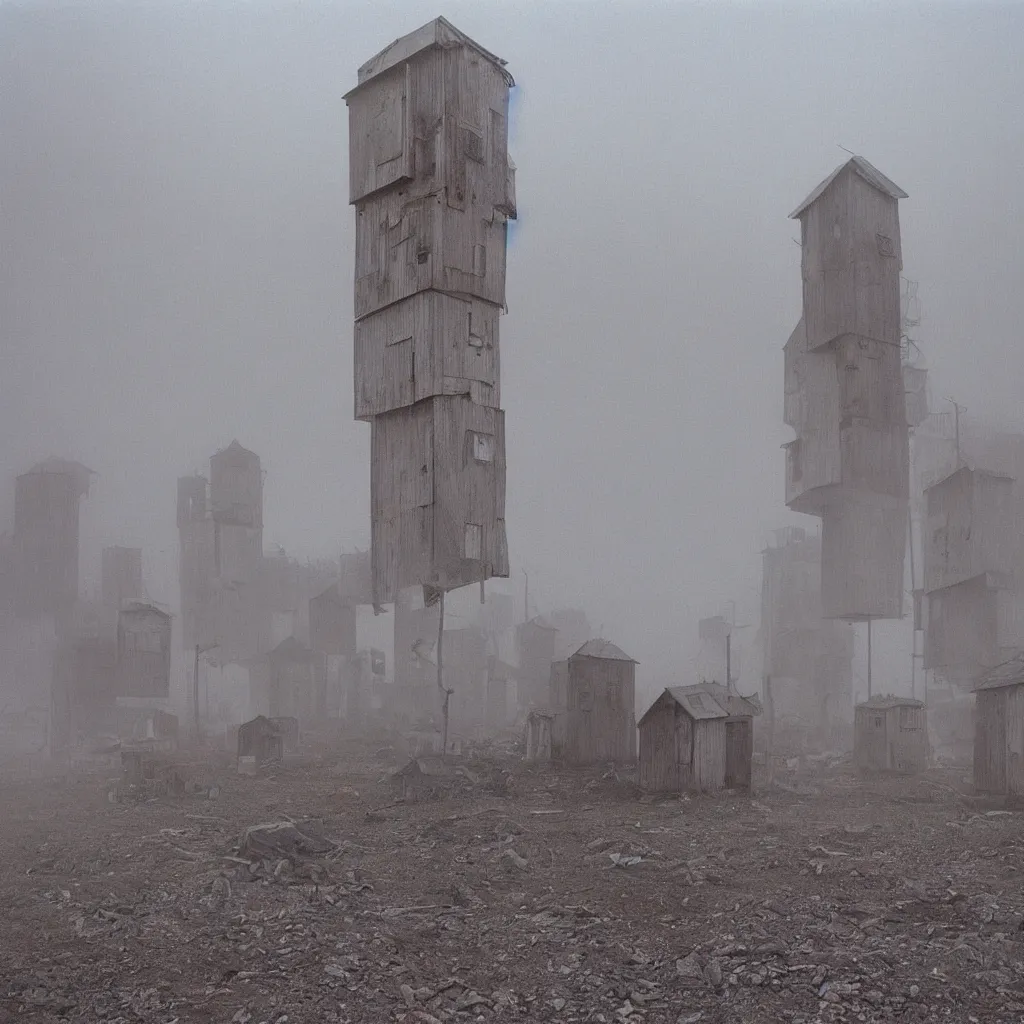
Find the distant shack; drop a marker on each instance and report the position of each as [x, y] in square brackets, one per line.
[999, 730]
[600, 701]
[697, 739]
[890, 734]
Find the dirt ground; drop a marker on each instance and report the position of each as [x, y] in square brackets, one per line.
[522, 894]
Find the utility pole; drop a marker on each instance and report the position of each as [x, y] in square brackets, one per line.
[526, 597]
[957, 409]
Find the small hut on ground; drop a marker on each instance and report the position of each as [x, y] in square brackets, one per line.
[600, 701]
[288, 727]
[538, 734]
[999, 729]
[260, 739]
[890, 734]
[699, 739]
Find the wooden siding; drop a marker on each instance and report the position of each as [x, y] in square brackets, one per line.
[405, 246]
[863, 550]
[437, 121]
[813, 459]
[990, 721]
[236, 487]
[739, 753]
[144, 653]
[658, 770]
[893, 739]
[601, 721]
[706, 762]
[427, 486]
[431, 344]
[963, 630]
[851, 262]
[971, 528]
[559, 702]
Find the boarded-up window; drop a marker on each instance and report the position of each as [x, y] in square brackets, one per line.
[483, 447]
[879, 721]
[479, 261]
[908, 719]
[474, 541]
[475, 338]
[586, 700]
[473, 144]
[885, 246]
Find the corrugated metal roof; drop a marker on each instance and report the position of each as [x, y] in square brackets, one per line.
[603, 649]
[884, 701]
[1009, 673]
[872, 175]
[705, 701]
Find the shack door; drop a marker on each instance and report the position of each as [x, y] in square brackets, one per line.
[739, 753]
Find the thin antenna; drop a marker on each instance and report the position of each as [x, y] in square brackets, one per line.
[845, 150]
[957, 409]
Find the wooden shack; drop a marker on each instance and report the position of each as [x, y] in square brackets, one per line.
[890, 734]
[999, 729]
[292, 684]
[260, 739]
[288, 727]
[144, 650]
[559, 704]
[698, 739]
[538, 734]
[600, 702]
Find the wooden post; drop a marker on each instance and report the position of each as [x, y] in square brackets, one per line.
[770, 707]
[440, 678]
[195, 693]
[728, 662]
[869, 659]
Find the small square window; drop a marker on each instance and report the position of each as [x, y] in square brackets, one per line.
[885, 246]
[474, 542]
[483, 447]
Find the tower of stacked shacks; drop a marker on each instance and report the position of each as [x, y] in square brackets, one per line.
[433, 189]
[973, 608]
[844, 392]
[809, 658]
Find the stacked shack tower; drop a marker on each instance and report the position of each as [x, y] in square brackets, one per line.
[433, 189]
[849, 463]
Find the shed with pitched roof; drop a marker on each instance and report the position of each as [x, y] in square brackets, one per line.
[600, 702]
[698, 739]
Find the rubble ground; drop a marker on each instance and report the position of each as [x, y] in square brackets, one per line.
[311, 894]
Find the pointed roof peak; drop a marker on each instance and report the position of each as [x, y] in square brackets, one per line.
[861, 167]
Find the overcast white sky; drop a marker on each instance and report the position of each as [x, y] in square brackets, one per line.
[176, 263]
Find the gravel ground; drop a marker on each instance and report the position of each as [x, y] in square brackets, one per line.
[519, 894]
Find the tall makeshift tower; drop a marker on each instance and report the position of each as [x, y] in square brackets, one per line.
[849, 463]
[433, 189]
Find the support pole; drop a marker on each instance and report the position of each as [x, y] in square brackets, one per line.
[869, 659]
[195, 692]
[440, 678]
[913, 589]
[728, 662]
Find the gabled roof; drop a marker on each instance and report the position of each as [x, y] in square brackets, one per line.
[705, 701]
[138, 607]
[290, 649]
[439, 32]
[65, 467]
[971, 471]
[605, 650]
[872, 175]
[885, 701]
[1009, 673]
[235, 449]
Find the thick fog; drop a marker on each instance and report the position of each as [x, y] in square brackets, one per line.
[176, 259]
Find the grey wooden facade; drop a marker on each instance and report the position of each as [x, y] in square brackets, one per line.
[697, 739]
[849, 462]
[600, 705]
[999, 730]
[972, 548]
[144, 650]
[433, 189]
[890, 734]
